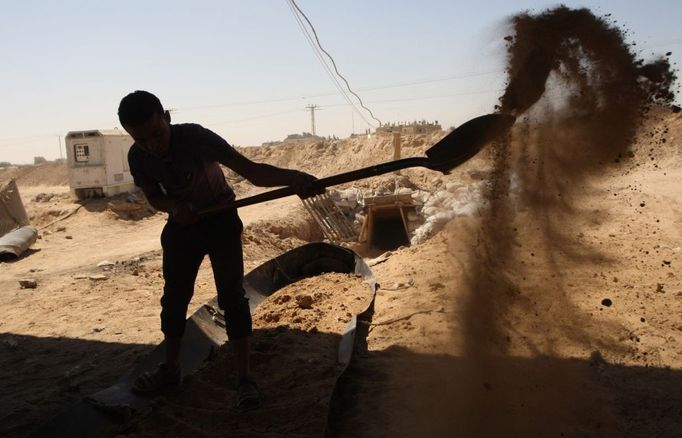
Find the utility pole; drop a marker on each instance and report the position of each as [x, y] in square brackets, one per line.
[312, 108]
[60, 146]
[352, 122]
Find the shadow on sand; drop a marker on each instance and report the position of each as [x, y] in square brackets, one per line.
[395, 392]
[400, 393]
[40, 377]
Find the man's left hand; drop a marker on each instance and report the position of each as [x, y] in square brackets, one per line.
[305, 185]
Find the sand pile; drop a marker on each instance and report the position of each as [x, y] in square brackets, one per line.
[328, 157]
[263, 238]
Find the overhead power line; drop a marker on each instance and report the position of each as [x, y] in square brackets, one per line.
[317, 53]
[326, 67]
[383, 87]
[317, 39]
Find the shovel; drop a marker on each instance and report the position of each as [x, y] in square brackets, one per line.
[451, 151]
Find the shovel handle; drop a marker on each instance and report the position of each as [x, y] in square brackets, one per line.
[329, 181]
[451, 151]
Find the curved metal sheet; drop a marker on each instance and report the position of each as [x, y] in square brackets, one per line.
[16, 242]
[103, 412]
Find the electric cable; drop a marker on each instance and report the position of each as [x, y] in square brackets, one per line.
[293, 3]
[383, 87]
[331, 75]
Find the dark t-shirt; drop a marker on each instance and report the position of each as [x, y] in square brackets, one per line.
[190, 172]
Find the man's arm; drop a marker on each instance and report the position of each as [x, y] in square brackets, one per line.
[259, 174]
[157, 198]
[180, 212]
[266, 175]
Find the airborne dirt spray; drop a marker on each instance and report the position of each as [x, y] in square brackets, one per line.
[580, 96]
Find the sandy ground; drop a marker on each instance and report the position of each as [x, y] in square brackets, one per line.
[561, 331]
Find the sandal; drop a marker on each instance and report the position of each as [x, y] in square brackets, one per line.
[248, 397]
[156, 381]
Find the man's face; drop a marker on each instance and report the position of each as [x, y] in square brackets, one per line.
[153, 135]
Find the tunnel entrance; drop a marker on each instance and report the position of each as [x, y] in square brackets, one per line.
[386, 226]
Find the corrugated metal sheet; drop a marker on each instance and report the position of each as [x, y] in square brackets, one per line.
[12, 212]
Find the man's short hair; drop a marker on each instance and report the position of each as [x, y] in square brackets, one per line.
[137, 107]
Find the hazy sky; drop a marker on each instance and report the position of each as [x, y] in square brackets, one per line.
[245, 69]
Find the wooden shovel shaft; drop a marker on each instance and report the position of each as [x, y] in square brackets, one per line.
[451, 151]
[329, 181]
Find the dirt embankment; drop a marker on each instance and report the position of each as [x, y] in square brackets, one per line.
[48, 174]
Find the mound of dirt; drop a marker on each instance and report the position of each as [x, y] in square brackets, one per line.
[324, 158]
[263, 238]
[52, 173]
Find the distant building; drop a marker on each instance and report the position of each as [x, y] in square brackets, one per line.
[421, 127]
[303, 136]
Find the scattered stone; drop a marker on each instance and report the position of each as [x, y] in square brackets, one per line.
[60, 229]
[80, 276]
[382, 258]
[606, 302]
[11, 343]
[43, 197]
[660, 288]
[28, 283]
[304, 301]
[281, 299]
[596, 359]
[68, 237]
[98, 328]
[104, 264]
[272, 317]
[98, 277]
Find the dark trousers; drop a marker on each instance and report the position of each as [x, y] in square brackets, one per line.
[184, 248]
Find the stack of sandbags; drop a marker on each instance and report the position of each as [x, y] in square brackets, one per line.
[442, 206]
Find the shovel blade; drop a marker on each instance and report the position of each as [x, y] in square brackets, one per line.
[467, 140]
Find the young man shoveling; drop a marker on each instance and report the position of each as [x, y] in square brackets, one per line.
[177, 166]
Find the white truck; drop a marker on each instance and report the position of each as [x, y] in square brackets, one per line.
[98, 162]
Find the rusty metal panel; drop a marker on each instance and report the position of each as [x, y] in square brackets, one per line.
[12, 212]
